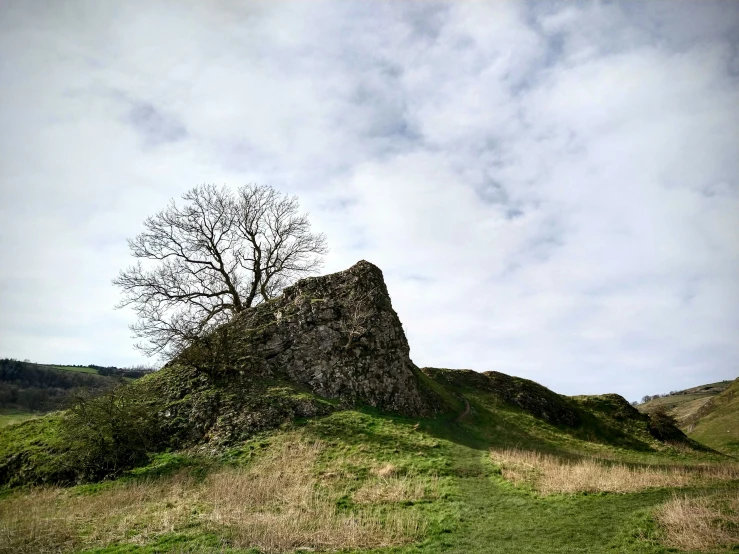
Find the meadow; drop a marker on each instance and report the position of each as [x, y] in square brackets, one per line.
[498, 481]
[11, 415]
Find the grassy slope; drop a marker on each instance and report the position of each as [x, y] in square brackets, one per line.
[477, 511]
[717, 422]
[9, 416]
[31, 447]
[682, 406]
[72, 368]
[707, 413]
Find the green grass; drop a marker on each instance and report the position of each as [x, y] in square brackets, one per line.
[708, 414]
[476, 510]
[9, 416]
[29, 451]
[718, 426]
[683, 406]
[76, 369]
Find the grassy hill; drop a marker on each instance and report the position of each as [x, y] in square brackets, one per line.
[303, 425]
[29, 389]
[707, 413]
[682, 404]
[508, 467]
[716, 422]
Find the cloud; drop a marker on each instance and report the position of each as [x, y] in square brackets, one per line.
[551, 190]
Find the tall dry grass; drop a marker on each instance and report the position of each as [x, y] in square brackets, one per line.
[277, 504]
[700, 523]
[550, 474]
[389, 485]
[53, 520]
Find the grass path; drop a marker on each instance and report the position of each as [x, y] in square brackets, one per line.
[495, 518]
[466, 411]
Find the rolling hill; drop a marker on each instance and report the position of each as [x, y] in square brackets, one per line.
[303, 425]
[707, 413]
[716, 422]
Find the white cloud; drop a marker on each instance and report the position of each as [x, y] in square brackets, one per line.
[551, 191]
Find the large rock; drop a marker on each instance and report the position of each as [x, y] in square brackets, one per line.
[338, 335]
[527, 395]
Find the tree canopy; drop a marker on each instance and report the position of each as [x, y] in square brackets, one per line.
[218, 253]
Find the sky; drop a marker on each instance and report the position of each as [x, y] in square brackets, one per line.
[550, 188]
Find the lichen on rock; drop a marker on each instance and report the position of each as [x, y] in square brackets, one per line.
[337, 335]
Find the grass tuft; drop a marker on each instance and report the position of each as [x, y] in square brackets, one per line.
[701, 523]
[550, 475]
[276, 504]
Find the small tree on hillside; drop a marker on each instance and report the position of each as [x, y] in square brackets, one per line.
[211, 258]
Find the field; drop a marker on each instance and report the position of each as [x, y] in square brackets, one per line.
[9, 416]
[362, 481]
[77, 369]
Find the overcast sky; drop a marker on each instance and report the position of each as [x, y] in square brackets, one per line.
[551, 189]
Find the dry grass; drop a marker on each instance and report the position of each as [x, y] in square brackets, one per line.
[397, 488]
[276, 504]
[385, 471]
[701, 523]
[549, 474]
[51, 520]
[391, 485]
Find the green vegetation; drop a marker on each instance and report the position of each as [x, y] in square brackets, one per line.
[682, 405]
[8, 416]
[30, 452]
[717, 422]
[708, 413]
[362, 480]
[38, 388]
[78, 369]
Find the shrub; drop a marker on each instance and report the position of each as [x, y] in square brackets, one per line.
[663, 427]
[110, 433]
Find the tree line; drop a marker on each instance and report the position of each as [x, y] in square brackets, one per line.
[37, 388]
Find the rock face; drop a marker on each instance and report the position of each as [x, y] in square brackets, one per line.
[338, 335]
[527, 395]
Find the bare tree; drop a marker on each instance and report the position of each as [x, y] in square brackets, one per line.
[201, 263]
[354, 323]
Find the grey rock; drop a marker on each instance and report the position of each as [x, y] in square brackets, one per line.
[337, 334]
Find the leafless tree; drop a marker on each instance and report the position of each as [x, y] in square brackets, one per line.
[358, 313]
[220, 253]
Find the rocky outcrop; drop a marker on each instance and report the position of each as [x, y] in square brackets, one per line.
[527, 395]
[337, 335]
[611, 405]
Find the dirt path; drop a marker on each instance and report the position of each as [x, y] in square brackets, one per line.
[461, 416]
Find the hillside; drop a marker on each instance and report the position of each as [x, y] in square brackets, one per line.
[716, 422]
[707, 413]
[29, 389]
[682, 404]
[362, 479]
[303, 425]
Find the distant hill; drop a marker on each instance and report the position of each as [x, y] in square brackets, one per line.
[30, 387]
[716, 422]
[706, 413]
